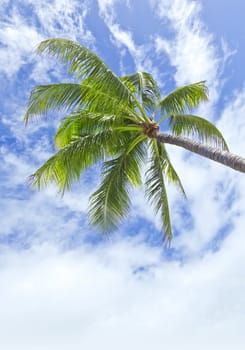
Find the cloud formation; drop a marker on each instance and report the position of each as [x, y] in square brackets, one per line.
[22, 31]
[121, 295]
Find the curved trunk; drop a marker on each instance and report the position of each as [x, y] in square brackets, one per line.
[226, 158]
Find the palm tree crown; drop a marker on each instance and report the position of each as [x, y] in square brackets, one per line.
[111, 119]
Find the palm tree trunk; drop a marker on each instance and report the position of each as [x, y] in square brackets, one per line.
[226, 158]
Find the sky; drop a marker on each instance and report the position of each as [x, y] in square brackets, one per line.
[62, 284]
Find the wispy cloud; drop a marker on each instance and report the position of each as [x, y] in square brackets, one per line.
[123, 39]
[191, 49]
[232, 120]
[22, 31]
[18, 41]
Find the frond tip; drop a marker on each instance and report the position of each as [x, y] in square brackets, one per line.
[184, 99]
[62, 96]
[194, 126]
[155, 189]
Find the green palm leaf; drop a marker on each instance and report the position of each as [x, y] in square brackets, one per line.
[155, 185]
[65, 167]
[191, 125]
[184, 98]
[111, 202]
[83, 123]
[167, 167]
[108, 121]
[86, 64]
[144, 87]
[64, 96]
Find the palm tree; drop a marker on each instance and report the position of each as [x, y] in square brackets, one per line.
[114, 121]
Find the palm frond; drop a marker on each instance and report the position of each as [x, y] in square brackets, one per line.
[84, 63]
[63, 96]
[84, 123]
[155, 189]
[138, 139]
[184, 98]
[144, 87]
[104, 101]
[111, 202]
[73, 97]
[65, 167]
[191, 125]
[168, 168]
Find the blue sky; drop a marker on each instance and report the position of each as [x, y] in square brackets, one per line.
[62, 284]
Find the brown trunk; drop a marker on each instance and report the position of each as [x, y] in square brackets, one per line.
[226, 158]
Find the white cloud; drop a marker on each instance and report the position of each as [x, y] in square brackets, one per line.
[232, 121]
[20, 34]
[93, 297]
[29, 216]
[121, 38]
[192, 50]
[19, 41]
[64, 19]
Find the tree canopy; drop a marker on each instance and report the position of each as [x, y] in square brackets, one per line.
[114, 120]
